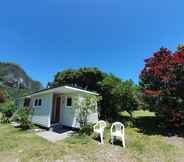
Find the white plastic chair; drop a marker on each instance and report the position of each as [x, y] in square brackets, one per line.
[98, 128]
[118, 130]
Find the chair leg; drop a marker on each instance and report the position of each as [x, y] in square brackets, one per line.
[112, 140]
[123, 141]
[101, 137]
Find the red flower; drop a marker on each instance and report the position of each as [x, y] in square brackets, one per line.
[152, 92]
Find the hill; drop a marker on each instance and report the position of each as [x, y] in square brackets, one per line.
[14, 81]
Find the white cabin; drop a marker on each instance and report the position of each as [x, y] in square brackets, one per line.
[56, 106]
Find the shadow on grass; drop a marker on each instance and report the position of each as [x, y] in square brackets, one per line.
[97, 138]
[116, 141]
[151, 125]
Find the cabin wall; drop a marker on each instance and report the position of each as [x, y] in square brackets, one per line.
[69, 115]
[42, 114]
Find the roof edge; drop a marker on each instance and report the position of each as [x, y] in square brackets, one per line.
[68, 87]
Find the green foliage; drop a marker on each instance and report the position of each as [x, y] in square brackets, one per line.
[117, 95]
[84, 107]
[22, 116]
[16, 81]
[2, 96]
[7, 109]
[86, 130]
[86, 78]
[162, 85]
[4, 119]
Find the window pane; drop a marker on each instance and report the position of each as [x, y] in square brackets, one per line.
[27, 102]
[69, 101]
[36, 102]
[40, 102]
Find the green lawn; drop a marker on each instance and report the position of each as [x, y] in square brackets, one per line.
[24, 146]
[137, 114]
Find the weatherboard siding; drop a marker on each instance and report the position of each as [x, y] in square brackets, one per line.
[93, 117]
[70, 117]
[41, 115]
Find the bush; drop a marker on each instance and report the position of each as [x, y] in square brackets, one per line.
[4, 119]
[7, 109]
[86, 130]
[22, 116]
[84, 107]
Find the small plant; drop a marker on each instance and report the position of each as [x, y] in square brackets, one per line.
[22, 116]
[85, 106]
[4, 119]
[7, 109]
[86, 130]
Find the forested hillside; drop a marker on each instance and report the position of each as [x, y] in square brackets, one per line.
[15, 82]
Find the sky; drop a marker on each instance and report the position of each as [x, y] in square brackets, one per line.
[47, 36]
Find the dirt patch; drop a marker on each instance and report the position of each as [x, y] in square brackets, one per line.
[109, 153]
[179, 143]
[102, 153]
[176, 141]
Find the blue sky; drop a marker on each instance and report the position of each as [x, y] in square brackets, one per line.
[46, 36]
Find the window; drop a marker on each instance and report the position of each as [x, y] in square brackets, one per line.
[27, 102]
[69, 102]
[38, 102]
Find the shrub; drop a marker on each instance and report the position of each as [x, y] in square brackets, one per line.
[84, 107]
[7, 109]
[22, 116]
[86, 130]
[4, 119]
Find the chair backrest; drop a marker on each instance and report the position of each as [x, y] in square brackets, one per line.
[118, 127]
[102, 124]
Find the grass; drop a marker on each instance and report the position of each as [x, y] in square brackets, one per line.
[25, 146]
[137, 114]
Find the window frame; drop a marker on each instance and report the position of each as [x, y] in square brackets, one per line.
[66, 105]
[36, 103]
[40, 102]
[27, 102]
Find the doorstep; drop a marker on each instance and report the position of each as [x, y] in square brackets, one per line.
[54, 136]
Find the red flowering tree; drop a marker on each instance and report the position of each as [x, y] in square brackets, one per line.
[162, 83]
